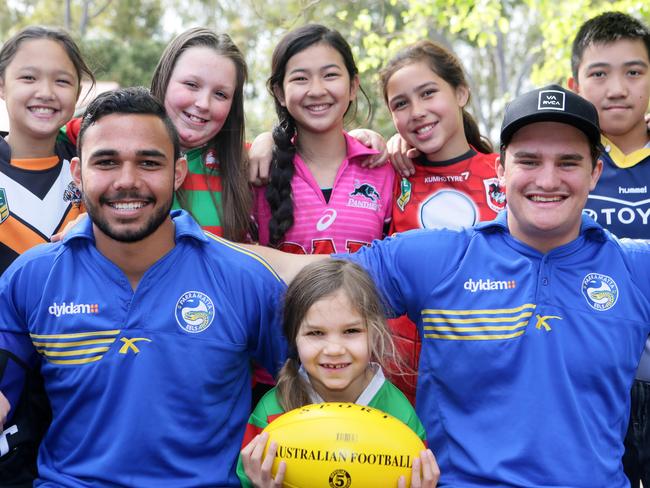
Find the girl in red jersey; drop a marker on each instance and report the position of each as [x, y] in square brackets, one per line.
[335, 325]
[454, 182]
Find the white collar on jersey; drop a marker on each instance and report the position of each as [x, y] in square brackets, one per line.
[366, 395]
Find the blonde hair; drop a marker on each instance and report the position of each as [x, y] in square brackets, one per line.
[315, 282]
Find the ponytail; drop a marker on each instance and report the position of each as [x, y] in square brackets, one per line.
[473, 135]
[278, 191]
[291, 388]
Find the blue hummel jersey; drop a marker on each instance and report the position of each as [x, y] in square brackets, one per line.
[152, 387]
[527, 359]
[621, 200]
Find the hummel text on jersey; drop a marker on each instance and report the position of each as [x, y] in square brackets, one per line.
[488, 285]
[72, 308]
[638, 189]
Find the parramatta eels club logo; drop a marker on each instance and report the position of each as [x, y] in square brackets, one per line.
[600, 291]
[194, 312]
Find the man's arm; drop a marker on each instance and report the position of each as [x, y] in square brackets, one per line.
[286, 265]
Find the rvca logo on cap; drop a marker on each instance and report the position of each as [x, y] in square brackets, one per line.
[550, 100]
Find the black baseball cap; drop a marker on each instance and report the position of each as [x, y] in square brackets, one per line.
[551, 103]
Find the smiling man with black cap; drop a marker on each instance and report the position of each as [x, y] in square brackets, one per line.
[550, 140]
[532, 325]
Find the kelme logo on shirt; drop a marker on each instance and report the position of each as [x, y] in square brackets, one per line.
[58, 309]
[488, 284]
[600, 291]
[194, 312]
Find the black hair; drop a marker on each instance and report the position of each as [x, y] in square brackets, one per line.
[134, 100]
[607, 28]
[278, 191]
[36, 32]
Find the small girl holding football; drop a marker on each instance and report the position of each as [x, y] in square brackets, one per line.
[338, 340]
[320, 199]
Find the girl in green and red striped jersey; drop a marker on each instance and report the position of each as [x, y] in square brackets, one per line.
[338, 341]
[200, 79]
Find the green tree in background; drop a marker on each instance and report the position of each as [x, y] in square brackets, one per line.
[507, 46]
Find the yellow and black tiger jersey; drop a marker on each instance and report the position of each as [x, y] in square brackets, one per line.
[37, 199]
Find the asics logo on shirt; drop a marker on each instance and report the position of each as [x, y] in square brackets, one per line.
[72, 308]
[488, 284]
[328, 218]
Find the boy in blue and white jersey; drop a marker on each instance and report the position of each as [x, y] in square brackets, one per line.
[532, 325]
[142, 324]
[611, 68]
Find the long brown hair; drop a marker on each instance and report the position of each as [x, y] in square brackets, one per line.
[448, 67]
[315, 282]
[228, 143]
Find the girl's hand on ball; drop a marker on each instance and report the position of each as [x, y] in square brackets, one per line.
[258, 467]
[425, 472]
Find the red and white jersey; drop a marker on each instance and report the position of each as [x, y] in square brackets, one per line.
[452, 194]
[359, 207]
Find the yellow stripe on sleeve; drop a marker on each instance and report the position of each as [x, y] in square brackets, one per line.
[247, 252]
[77, 334]
[69, 344]
[76, 352]
[76, 361]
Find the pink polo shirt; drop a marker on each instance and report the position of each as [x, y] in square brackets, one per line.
[359, 206]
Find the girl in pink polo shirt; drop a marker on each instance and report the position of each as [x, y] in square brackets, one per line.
[319, 198]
